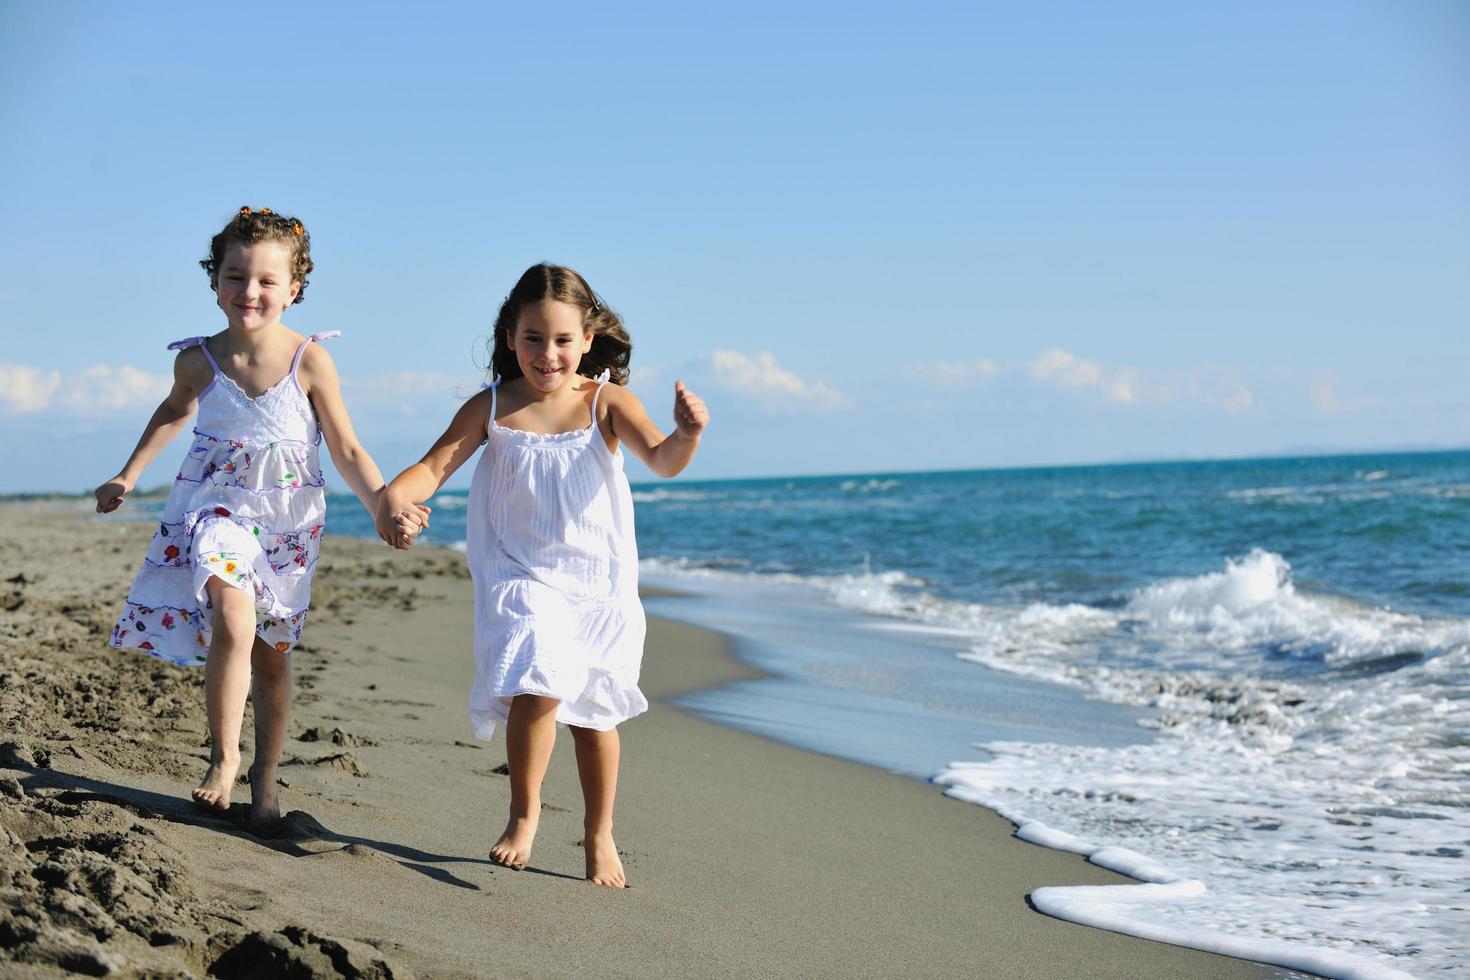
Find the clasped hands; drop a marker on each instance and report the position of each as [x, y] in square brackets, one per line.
[399, 521]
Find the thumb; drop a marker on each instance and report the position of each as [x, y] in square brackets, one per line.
[678, 388]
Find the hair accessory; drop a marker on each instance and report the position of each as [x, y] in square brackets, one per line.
[296, 227]
[245, 209]
[265, 210]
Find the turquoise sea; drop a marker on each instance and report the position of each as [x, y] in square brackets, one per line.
[1246, 683]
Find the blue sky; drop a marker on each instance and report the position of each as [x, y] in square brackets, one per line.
[950, 236]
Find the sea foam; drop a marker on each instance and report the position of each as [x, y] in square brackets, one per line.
[1301, 777]
[1305, 798]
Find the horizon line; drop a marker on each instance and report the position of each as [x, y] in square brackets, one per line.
[1304, 452]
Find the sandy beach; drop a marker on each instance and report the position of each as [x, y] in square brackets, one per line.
[746, 857]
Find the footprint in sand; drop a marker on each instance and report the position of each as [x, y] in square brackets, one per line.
[336, 736]
[345, 761]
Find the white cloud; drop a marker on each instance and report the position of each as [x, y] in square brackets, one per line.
[25, 389]
[1230, 394]
[1324, 399]
[1066, 370]
[776, 388]
[100, 390]
[1322, 390]
[951, 375]
[1120, 385]
[1216, 389]
[95, 390]
[1127, 386]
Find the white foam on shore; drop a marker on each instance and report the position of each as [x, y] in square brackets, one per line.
[1168, 907]
[1326, 806]
[1310, 770]
[1103, 907]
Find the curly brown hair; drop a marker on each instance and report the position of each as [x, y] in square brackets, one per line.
[611, 346]
[249, 226]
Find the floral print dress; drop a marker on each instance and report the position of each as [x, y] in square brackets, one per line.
[248, 507]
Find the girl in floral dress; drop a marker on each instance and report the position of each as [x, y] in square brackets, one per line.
[227, 578]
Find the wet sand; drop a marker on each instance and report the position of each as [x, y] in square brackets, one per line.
[746, 857]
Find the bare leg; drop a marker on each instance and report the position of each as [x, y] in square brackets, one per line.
[270, 693]
[530, 733]
[226, 681]
[597, 767]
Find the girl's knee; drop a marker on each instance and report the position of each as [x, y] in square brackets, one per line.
[230, 605]
[593, 734]
[535, 703]
[217, 589]
[269, 663]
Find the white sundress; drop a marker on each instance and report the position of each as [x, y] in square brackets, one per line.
[248, 506]
[554, 560]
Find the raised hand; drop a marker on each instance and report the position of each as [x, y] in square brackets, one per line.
[690, 415]
[110, 495]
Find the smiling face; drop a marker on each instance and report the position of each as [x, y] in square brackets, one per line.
[549, 342]
[255, 285]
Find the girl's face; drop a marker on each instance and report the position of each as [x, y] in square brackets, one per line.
[255, 285]
[549, 343]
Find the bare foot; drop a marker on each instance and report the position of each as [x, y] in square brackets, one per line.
[265, 802]
[213, 791]
[604, 867]
[513, 849]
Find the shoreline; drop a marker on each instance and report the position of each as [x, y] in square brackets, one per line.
[746, 855]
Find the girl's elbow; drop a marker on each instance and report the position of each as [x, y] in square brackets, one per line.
[349, 452]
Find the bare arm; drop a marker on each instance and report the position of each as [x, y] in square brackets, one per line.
[169, 418]
[409, 489]
[665, 455]
[319, 380]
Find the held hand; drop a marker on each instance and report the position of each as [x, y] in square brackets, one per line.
[398, 521]
[110, 495]
[397, 529]
[690, 415]
[409, 523]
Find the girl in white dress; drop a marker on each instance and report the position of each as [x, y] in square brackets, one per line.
[550, 544]
[227, 578]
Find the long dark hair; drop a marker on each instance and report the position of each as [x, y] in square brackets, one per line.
[611, 347]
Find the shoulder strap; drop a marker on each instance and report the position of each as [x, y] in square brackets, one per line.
[196, 342]
[314, 338]
[601, 380]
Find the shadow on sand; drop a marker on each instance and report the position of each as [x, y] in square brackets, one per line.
[293, 835]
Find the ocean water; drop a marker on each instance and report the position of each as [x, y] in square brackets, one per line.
[1245, 683]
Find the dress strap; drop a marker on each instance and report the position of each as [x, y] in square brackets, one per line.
[200, 343]
[601, 380]
[314, 338]
[494, 387]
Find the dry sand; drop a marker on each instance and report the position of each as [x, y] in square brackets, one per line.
[746, 857]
